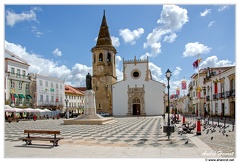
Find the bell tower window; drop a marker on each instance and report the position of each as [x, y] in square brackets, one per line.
[109, 57]
[100, 57]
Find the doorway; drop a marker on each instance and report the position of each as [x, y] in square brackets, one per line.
[223, 110]
[136, 109]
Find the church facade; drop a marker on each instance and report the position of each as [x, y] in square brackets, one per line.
[137, 93]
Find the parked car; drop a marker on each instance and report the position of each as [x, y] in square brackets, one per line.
[104, 114]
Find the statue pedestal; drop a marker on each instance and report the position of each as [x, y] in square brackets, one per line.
[90, 116]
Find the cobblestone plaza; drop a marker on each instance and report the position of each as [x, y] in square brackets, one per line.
[126, 134]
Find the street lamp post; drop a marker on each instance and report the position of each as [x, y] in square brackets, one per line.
[168, 75]
[67, 111]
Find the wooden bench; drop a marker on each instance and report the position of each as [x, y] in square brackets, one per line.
[53, 139]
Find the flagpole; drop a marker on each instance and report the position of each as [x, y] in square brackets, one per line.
[199, 91]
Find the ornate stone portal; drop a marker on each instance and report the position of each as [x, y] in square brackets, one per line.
[90, 116]
[136, 104]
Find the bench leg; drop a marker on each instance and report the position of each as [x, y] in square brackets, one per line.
[28, 142]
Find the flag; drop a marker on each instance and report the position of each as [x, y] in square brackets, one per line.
[196, 63]
[184, 84]
[178, 91]
[199, 91]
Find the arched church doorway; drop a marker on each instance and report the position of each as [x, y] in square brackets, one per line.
[136, 107]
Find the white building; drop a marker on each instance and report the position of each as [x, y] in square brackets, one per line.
[47, 92]
[217, 92]
[17, 82]
[74, 99]
[137, 93]
[220, 91]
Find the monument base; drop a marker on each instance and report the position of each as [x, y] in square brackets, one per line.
[90, 116]
[94, 119]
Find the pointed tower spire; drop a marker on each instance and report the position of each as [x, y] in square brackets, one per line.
[104, 35]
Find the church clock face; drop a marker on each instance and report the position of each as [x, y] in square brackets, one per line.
[135, 73]
[100, 68]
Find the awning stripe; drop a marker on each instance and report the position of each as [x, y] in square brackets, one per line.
[21, 96]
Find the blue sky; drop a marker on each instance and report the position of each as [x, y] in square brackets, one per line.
[56, 40]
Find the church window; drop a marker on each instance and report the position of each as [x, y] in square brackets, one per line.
[135, 74]
[109, 57]
[94, 59]
[100, 57]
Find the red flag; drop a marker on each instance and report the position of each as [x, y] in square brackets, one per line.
[178, 91]
[184, 85]
[196, 63]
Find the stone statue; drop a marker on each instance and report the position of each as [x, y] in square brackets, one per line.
[88, 81]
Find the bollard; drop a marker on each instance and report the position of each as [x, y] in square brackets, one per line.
[183, 120]
[232, 126]
[208, 121]
[198, 127]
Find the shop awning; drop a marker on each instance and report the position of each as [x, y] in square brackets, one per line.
[21, 96]
[28, 96]
[15, 95]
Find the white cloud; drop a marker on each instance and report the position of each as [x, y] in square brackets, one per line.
[193, 49]
[35, 31]
[211, 24]
[155, 71]
[173, 17]
[155, 50]
[213, 61]
[171, 20]
[119, 74]
[131, 36]
[118, 59]
[170, 38]
[177, 71]
[222, 8]
[115, 41]
[206, 11]
[145, 56]
[75, 76]
[57, 52]
[13, 18]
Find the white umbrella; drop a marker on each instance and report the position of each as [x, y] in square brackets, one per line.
[8, 107]
[13, 110]
[30, 110]
[47, 110]
[39, 110]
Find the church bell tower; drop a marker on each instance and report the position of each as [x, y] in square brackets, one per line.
[104, 69]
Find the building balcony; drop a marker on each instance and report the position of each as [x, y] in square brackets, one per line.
[16, 76]
[228, 93]
[221, 95]
[207, 98]
[215, 96]
[232, 93]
